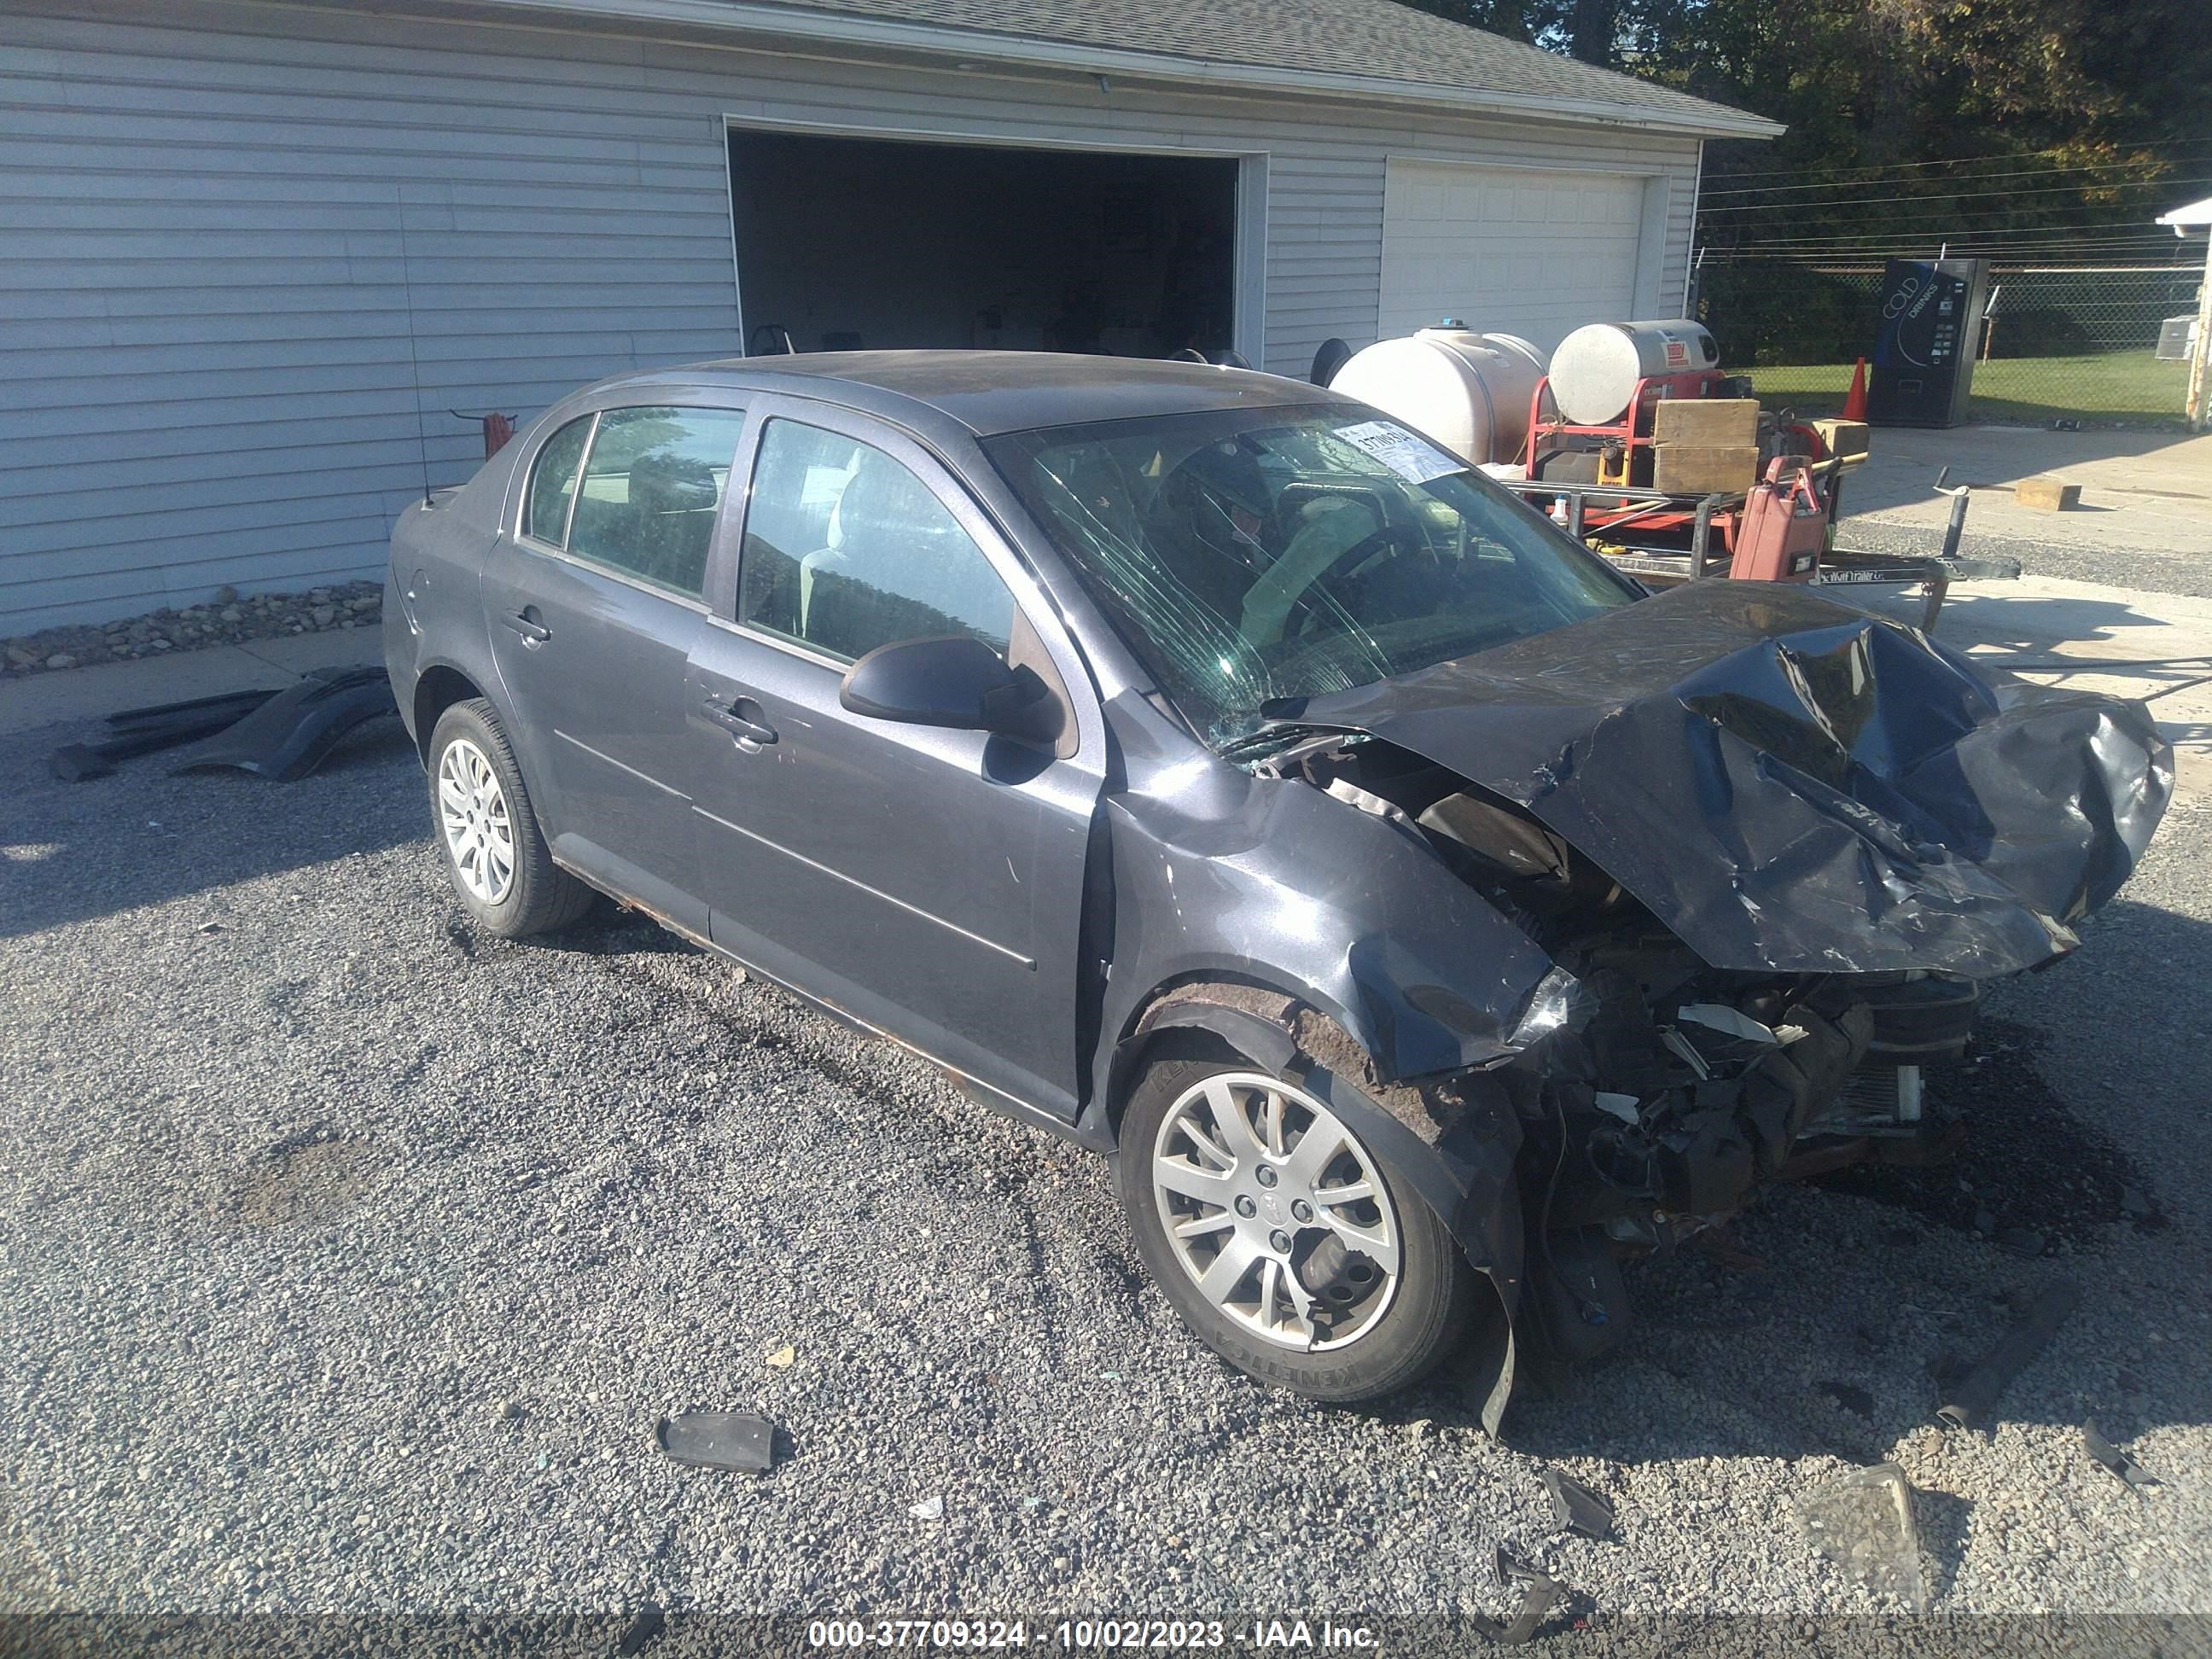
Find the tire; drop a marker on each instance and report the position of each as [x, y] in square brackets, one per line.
[1385, 1339]
[488, 835]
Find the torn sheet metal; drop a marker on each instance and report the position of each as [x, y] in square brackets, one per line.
[2116, 1460]
[289, 736]
[1576, 1507]
[1792, 785]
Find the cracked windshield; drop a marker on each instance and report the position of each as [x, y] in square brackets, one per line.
[1248, 555]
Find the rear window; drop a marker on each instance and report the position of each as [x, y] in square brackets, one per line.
[637, 491]
[553, 483]
[653, 487]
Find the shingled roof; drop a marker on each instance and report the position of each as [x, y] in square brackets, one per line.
[1369, 48]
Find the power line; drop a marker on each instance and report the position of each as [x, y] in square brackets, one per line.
[1952, 230]
[2025, 233]
[1874, 258]
[2137, 253]
[2136, 258]
[1938, 231]
[1933, 198]
[1971, 177]
[1965, 247]
[1961, 161]
[2069, 216]
[1954, 226]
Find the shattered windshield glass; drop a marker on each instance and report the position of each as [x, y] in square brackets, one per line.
[1253, 553]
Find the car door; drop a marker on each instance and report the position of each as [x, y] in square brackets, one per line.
[594, 603]
[927, 881]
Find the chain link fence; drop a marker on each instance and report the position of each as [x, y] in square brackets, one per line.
[2076, 343]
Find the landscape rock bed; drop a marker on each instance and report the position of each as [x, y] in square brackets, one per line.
[227, 619]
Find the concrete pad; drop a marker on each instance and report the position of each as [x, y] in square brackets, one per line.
[338, 648]
[2154, 647]
[100, 689]
[2139, 489]
[81, 694]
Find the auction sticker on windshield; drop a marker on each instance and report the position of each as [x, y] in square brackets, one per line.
[1413, 458]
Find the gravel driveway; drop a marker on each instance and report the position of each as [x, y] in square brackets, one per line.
[347, 1260]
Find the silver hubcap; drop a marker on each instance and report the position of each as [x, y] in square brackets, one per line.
[1255, 1179]
[479, 835]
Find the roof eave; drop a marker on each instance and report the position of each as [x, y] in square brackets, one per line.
[744, 16]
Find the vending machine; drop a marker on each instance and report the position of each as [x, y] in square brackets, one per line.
[1923, 369]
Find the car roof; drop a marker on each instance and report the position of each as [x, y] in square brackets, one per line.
[993, 391]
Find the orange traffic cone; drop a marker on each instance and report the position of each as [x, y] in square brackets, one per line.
[1854, 399]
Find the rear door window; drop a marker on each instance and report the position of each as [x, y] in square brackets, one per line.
[847, 550]
[553, 483]
[653, 484]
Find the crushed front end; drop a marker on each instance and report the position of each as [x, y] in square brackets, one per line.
[1773, 847]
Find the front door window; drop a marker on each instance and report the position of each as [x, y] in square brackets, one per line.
[846, 549]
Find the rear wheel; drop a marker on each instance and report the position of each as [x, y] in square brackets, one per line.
[1289, 1246]
[494, 852]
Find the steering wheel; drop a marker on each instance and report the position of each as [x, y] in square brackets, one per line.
[1305, 608]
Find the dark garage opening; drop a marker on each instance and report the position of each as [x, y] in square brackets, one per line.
[853, 244]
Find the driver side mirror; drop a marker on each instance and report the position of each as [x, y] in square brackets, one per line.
[956, 682]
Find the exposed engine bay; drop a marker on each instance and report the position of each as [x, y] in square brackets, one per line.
[1665, 1091]
[1817, 846]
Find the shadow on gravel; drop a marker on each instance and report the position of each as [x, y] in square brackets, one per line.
[72, 852]
[2030, 1171]
[608, 929]
[1944, 1520]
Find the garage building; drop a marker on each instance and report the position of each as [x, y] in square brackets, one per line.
[255, 256]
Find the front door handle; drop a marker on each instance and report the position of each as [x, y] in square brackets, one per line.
[724, 715]
[529, 627]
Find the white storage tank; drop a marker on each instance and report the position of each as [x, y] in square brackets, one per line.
[1596, 369]
[1469, 391]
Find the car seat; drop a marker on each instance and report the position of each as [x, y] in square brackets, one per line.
[897, 567]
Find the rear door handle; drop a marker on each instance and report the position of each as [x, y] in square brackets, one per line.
[529, 627]
[731, 720]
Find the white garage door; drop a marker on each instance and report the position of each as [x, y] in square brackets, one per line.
[1508, 252]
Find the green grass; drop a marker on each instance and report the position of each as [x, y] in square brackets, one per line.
[2116, 388]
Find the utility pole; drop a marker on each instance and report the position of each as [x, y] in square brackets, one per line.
[2197, 216]
[2200, 349]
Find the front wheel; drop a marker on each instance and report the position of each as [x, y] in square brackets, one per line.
[1288, 1245]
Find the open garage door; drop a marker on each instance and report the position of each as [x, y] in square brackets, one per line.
[853, 244]
[1508, 252]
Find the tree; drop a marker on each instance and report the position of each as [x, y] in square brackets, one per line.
[2013, 117]
[1590, 30]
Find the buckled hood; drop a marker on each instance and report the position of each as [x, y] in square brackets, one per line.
[1790, 784]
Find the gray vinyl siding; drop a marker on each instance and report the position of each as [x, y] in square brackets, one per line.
[249, 255]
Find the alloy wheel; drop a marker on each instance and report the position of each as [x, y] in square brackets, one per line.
[1276, 1210]
[473, 813]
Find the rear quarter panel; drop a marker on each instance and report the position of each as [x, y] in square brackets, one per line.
[433, 608]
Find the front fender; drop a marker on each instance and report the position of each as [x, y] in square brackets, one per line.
[1456, 1140]
[1271, 880]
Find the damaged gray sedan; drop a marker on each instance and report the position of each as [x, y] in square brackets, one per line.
[1211, 770]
